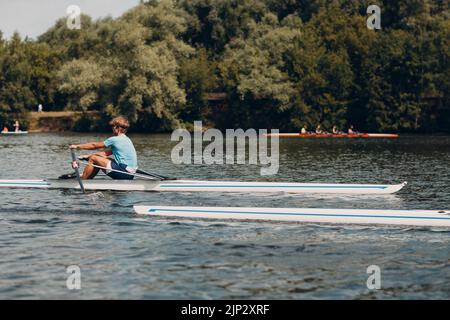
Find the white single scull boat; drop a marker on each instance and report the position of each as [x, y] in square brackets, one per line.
[203, 186]
[13, 133]
[330, 216]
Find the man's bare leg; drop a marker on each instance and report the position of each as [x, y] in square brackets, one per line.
[89, 171]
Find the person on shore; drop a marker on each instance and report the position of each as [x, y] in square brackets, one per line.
[40, 108]
[123, 163]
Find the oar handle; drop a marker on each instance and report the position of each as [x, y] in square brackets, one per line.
[74, 157]
[77, 171]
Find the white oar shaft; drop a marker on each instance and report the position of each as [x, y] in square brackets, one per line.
[118, 171]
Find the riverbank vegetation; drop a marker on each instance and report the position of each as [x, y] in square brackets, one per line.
[271, 63]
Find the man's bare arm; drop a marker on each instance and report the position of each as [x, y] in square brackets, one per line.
[104, 154]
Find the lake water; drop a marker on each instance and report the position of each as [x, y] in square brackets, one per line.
[125, 256]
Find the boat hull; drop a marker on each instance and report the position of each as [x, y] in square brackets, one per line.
[205, 186]
[330, 135]
[306, 215]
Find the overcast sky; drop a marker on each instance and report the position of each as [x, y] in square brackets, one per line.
[34, 17]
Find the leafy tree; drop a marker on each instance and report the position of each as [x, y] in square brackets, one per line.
[198, 76]
[214, 23]
[281, 64]
[254, 68]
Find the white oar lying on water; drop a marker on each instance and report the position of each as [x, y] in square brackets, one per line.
[439, 218]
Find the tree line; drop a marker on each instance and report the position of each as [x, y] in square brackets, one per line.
[276, 63]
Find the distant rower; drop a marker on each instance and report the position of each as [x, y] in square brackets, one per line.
[119, 146]
[304, 129]
[17, 126]
[351, 130]
[337, 131]
[319, 129]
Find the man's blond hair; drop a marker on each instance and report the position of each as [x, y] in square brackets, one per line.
[120, 122]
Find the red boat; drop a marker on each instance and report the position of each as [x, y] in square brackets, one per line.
[331, 135]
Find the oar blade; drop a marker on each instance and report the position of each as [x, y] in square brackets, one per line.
[76, 169]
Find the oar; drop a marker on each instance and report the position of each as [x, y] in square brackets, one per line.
[77, 172]
[154, 175]
[139, 171]
[118, 171]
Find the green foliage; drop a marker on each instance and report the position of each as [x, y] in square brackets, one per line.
[214, 23]
[198, 76]
[23, 84]
[281, 63]
[257, 62]
[80, 80]
[133, 69]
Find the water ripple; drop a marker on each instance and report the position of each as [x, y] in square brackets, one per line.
[123, 256]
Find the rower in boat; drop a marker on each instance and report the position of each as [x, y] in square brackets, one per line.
[304, 129]
[5, 129]
[17, 126]
[119, 146]
[337, 131]
[351, 130]
[319, 130]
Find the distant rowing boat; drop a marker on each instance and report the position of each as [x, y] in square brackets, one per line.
[330, 135]
[430, 218]
[12, 133]
[204, 186]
